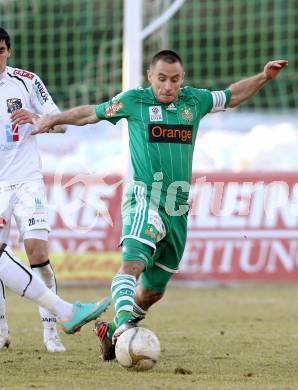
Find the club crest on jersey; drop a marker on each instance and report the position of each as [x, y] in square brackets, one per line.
[187, 114]
[150, 232]
[155, 113]
[113, 109]
[13, 105]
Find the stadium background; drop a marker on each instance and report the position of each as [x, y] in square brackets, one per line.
[76, 47]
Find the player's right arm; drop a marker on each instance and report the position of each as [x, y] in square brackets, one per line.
[78, 116]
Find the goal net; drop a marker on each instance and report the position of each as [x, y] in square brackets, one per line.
[76, 46]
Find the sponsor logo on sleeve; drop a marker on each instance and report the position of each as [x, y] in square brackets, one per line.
[178, 134]
[155, 113]
[113, 109]
[13, 105]
[23, 73]
[40, 91]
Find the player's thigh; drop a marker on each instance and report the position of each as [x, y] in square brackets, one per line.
[155, 279]
[31, 210]
[140, 221]
[169, 251]
[136, 251]
[36, 245]
[167, 257]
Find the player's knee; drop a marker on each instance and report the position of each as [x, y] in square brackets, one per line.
[135, 257]
[132, 267]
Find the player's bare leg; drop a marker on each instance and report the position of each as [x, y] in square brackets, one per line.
[123, 290]
[145, 298]
[4, 331]
[25, 283]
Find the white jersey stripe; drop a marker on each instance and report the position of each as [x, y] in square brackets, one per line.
[143, 240]
[143, 200]
[165, 268]
[139, 194]
[135, 190]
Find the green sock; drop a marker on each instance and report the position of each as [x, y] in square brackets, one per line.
[123, 290]
[112, 328]
[123, 316]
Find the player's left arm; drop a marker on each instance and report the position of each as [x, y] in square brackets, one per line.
[246, 88]
[23, 116]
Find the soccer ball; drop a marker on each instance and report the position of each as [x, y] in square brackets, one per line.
[137, 348]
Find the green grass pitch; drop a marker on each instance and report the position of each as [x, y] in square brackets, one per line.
[212, 338]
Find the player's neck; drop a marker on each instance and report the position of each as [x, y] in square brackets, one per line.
[2, 72]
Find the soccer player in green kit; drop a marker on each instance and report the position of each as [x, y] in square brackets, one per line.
[163, 121]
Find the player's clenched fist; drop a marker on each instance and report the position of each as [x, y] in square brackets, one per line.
[46, 124]
[272, 68]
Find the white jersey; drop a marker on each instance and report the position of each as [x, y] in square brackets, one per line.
[19, 156]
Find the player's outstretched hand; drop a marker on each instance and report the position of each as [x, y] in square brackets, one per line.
[22, 116]
[42, 125]
[273, 68]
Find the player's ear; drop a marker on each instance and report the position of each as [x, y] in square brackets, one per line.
[183, 75]
[149, 75]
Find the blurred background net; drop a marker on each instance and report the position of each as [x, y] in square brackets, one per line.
[76, 46]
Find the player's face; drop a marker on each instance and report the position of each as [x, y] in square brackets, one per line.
[166, 80]
[4, 54]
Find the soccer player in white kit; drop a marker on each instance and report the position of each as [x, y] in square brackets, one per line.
[23, 96]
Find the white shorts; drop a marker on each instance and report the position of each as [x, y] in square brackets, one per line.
[27, 203]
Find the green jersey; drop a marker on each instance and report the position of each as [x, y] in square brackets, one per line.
[162, 135]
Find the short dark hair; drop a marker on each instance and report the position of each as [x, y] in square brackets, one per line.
[168, 56]
[5, 37]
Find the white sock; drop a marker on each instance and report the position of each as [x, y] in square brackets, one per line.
[25, 283]
[3, 319]
[46, 273]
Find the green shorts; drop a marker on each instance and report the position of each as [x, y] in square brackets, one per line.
[157, 237]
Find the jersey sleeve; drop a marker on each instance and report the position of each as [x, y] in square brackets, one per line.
[115, 109]
[40, 98]
[213, 101]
